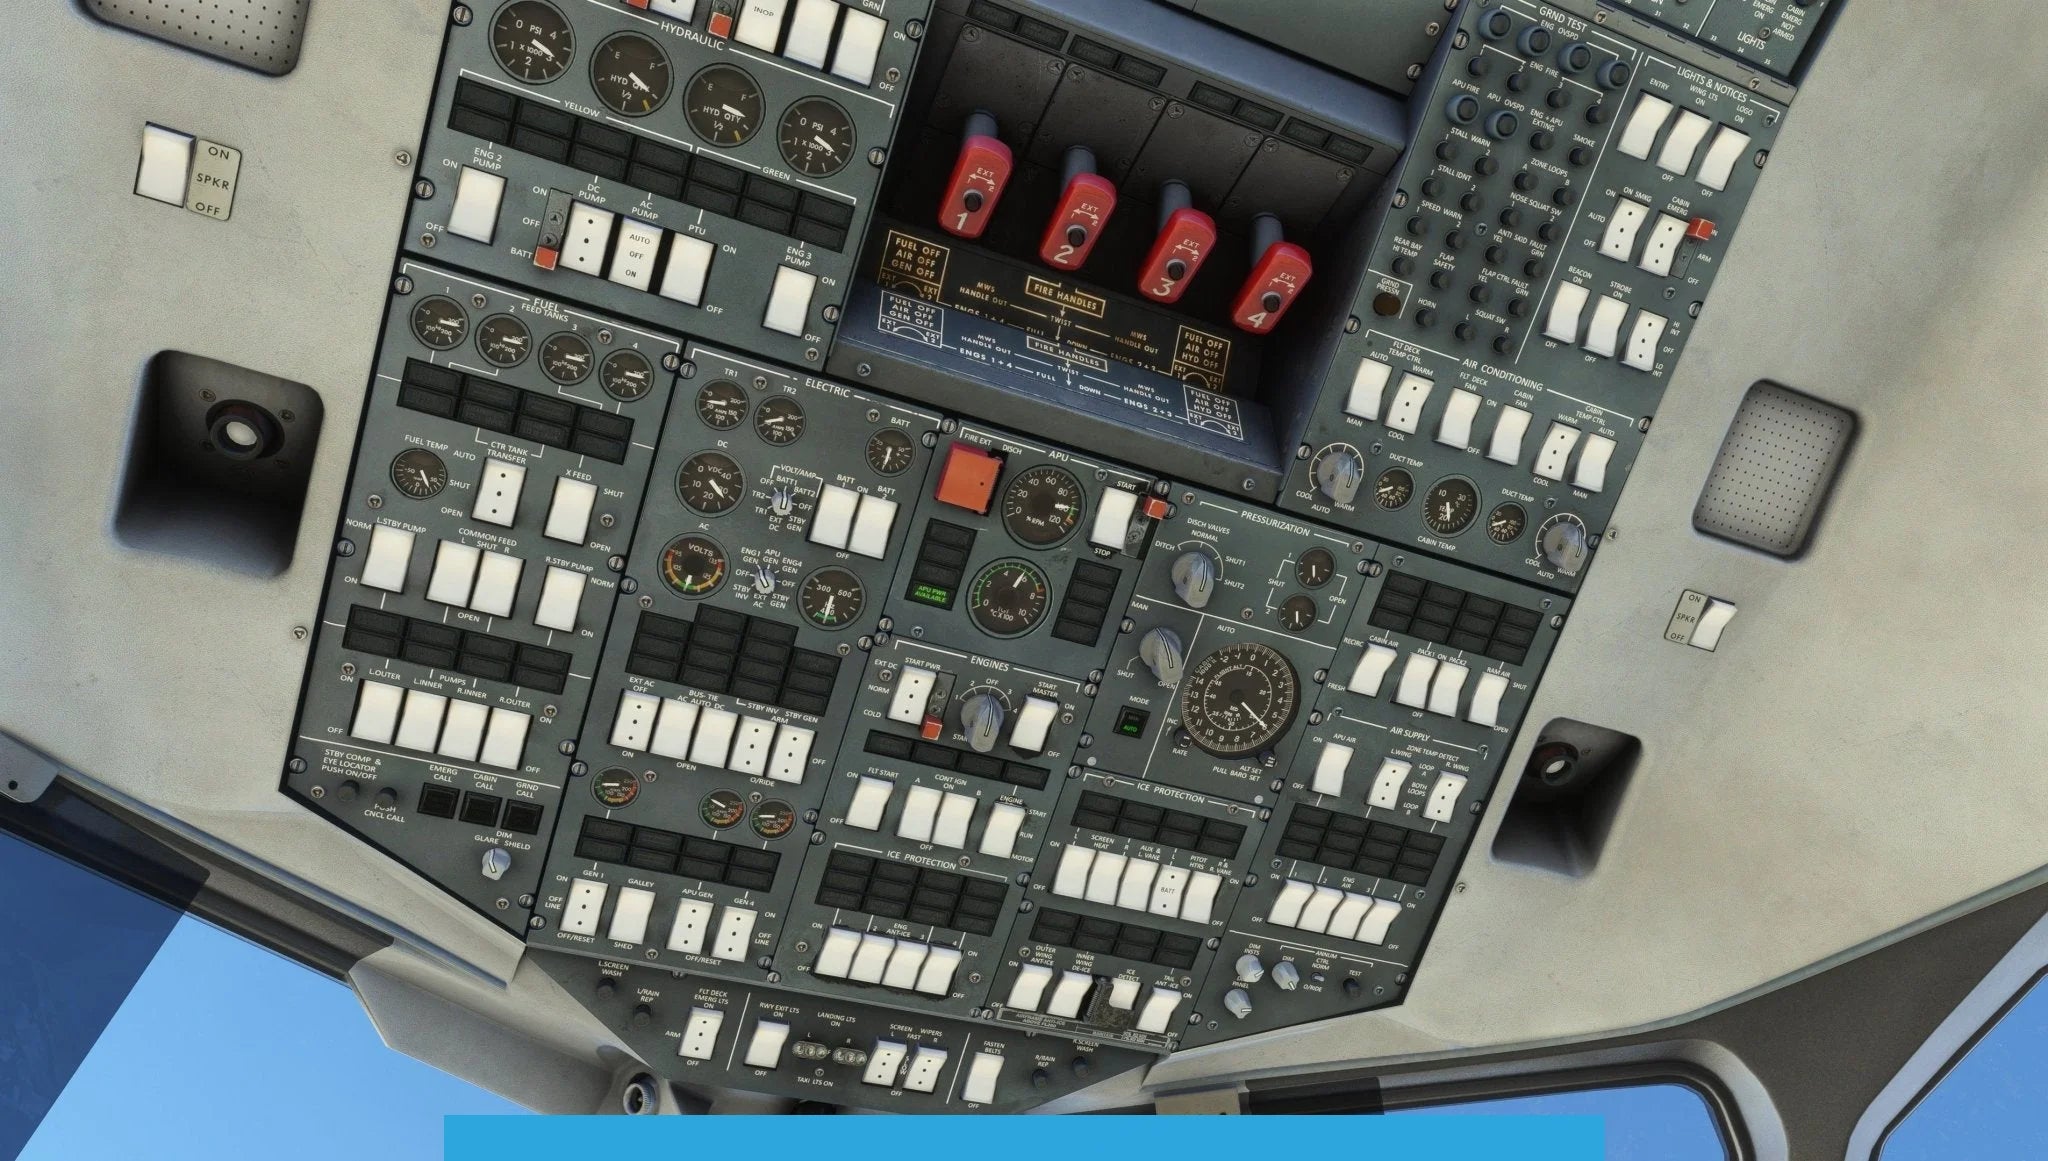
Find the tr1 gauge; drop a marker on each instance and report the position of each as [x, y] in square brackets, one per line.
[1042, 506]
[831, 598]
[566, 357]
[631, 74]
[710, 483]
[816, 137]
[722, 405]
[890, 452]
[723, 104]
[419, 473]
[779, 421]
[503, 340]
[1239, 699]
[626, 375]
[532, 41]
[439, 323]
[693, 566]
[1008, 598]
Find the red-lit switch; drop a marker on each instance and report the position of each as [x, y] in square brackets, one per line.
[969, 478]
[1086, 200]
[978, 179]
[721, 24]
[1156, 507]
[931, 728]
[1186, 235]
[1279, 272]
[1699, 230]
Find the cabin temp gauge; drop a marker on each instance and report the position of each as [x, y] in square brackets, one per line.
[1237, 701]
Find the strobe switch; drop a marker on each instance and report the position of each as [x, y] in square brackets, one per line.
[1086, 200]
[979, 177]
[1280, 270]
[1186, 236]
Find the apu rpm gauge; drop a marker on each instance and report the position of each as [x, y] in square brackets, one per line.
[532, 41]
[631, 74]
[723, 104]
[1008, 598]
[816, 137]
[1042, 506]
[1239, 699]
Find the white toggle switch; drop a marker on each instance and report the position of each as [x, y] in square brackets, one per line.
[870, 798]
[634, 253]
[629, 915]
[1029, 987]
[700, 1033]
[913, 690]
[871, 524]
[980, 1086]
[1486, 697]
[871, 958]
[1626, 220]
[1349, 914]
[587, 239]
[1446, 688]
[1713, 621]
[1381, 917]
[376, 717]
[956, 815]
[1603, 334]
[454, 574]
[735, 933]
[505, 739]
[1070, 880]
[497, 493]
[789, 300]
[835, 959]
[832, 525]
[1103, 876]
[1157, 1014]
[860, 43]
[1033, 722]
[1455, 429]
[1068, 994]
[1371, 670]
[936, 977]
[1286, 911]
[586, 903]
[1405, 414]
[1368, 385]
[1123, 993]
[1167, 891]
[384, 566]
[810, 32]
[1134, 890]
[1443, 797]
[1388, 783]
[920, 812]
[1508, 430]
[765, 1049]
[884, 1063]
[1113, 515]
[1566, 304]
[1727, 148]
[569, 511]
[927, 1065]
[561, 596]
[1643, 126]
[462, 734]
[689, 267]
[634, 726]
[999, 834]
[715, 728]
[1198, 901]
[1556, 451]
[792, 753]
[1642, 341]
[497, 584]
[1684, 141]
[751, 744]
[673, 731]
[166, 166]
[1322, 903]
[1665, 239]
[1415, 678]
[1592, 470]
[1330, 767]
[692, 924]
[761, 23]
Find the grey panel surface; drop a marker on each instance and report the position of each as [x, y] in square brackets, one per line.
[1386, 42]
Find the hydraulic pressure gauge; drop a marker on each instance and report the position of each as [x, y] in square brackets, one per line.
[532, 41]
[816, 137]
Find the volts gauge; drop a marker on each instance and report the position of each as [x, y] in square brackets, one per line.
[1451, 506]
[816, 137]
[779, 421]
[693, 566]
[1239, 699]
[566, 357]
[626, 375]
[711, 483]
[503, 341]
[723, 104]
[615, 787]
[419, 473]
[532, 41]
[631, 75]
[890, 452]
[1008, 598]
[439, 323]
[1042, 506]
[831, 598]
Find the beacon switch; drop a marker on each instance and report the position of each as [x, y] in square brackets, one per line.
[978, 179]
[1086, 200]
[1279, 272]
[1186, 235]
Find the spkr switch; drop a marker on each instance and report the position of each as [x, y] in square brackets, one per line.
[1280, 271]
[1186, 235]
[1086, 200]
[979, 178]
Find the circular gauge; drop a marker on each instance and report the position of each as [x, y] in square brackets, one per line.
[723, 104]
[566, 357]
[1239, 699]
[1297, 612]
[503, 340]
[615, 787]
[532, 41]
[1506, 523]
[721, 809]
[630, 74]
[1043, 506]
[722, 405]
[439, 323]
[419, 473]
[626, 375]
[1450, 506]
[1394, 489]
[890, 451]
[779, 420]
[694, 566]
[1315, 568]
[816, 137]
[773, 819]
[1564, 543]
[1008, 598]
[831, 598]
[711, 483]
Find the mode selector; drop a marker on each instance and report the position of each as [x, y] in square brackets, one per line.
[1194, 578]
[1161, 652]
[981, 719]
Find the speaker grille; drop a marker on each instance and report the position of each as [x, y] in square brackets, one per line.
[260, 34]
[1774, 471]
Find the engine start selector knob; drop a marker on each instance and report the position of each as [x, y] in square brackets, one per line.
[981, 719]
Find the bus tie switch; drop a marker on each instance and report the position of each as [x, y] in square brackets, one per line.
[978, 179]
[1279, 272]
[1086, 200]
[1186, 235]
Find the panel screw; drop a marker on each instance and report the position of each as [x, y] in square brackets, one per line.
[568, 746]
[864, 370]
[208, 395]
[479, 301]
[1557, 622]
[915, 28]
[374, 502]
[296, 765]
[462, 15]
[348, 669]
[615, 563]
[318, 792]
[298, 632]
[671, 362]
[423, 189]
[403, 158]
[345, 548]
[831, 314]
[401, 285]
[877, 156]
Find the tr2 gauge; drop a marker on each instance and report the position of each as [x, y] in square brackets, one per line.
[437, 322]
[1008, 598]
[779, 421]
[816, 137]
[723, 104]
[710, 483]
[532, 41]
[1239, 699]
[419, 473]
[1042, 506]
[631, 74]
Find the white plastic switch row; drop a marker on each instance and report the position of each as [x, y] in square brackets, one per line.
[933, 816]
[913, 690]
[903, 964]
[478, 194]
[569, 510]
[1455, 429]
[927, 1066]
[1136, 884]
[1603, 333]
[468, 577]
[1330, 767]
[1728, 147]
[388, 559]
[561, 598]
[700, 1033]
[1558, 442]
[1624, 222]
[634, 907]
[1426, 683]
[713, 737]
[810, 35]
[1388, 783]
[1639, 136]
[1443, 797]
[1113, 515]
[1328, 911]
[418, 720]
[764, 1048]
[497, 493]
[635, 251]
[858, 522]
[1683, 143]
[982, 1073]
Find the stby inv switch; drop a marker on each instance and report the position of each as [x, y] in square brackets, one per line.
[1280, 271]
[1699, 620]
[979, 177]
[180, 170]
[1086, 200]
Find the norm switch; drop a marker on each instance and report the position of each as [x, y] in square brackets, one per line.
[1280, 270]
[1186, 235]
[1086, 200]
[978, 179]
